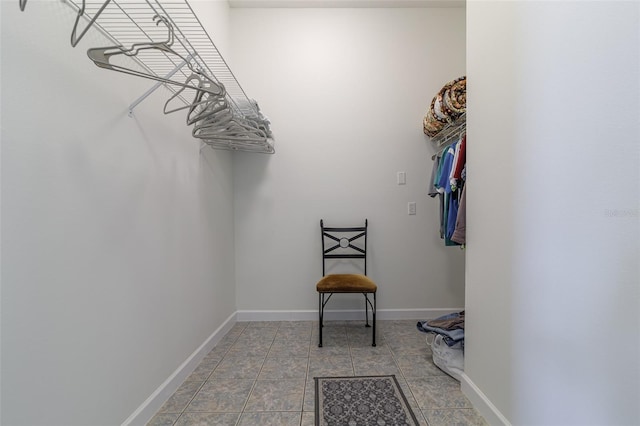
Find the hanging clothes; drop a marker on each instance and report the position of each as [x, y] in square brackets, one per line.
[433, 191]
[452, 217]
[459, 162]
[460, 232]
[443, 184]
[447, 183]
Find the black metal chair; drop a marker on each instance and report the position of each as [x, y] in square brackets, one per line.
[345, 243]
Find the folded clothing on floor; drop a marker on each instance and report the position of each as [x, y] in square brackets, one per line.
[448, 322]
[453, 334]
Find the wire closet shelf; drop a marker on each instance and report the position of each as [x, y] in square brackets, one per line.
[451, 132]
[129, 22]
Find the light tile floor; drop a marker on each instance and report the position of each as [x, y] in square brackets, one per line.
[261, 374]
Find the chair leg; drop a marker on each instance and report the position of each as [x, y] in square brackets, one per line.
[320, 309]
[374, 319]
[366, 310]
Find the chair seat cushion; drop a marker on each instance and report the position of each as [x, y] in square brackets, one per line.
[346, 283]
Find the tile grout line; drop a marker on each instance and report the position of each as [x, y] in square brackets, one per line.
[255, 381]
[182, 412]
[410, 390]
[306, 376]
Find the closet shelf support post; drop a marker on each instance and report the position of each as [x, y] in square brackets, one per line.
[155, 86]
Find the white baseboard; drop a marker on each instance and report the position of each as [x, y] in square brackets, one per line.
[150, 407]
[343, 315]
[480, 402]
[245, 316]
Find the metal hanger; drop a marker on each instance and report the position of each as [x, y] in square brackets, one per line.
[213, 124]
[229, 123]
[201, 110]
[198, 96]
[233, 127]
[212, 111]
[101, 56]
[74, 38]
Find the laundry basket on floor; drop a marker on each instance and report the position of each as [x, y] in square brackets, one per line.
[449, 359]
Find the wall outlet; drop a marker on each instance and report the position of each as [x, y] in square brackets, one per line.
[411, 207]
[402, 178]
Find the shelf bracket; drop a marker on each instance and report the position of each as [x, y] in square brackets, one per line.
[158, 84]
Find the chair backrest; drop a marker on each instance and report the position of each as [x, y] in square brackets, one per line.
[344, 243]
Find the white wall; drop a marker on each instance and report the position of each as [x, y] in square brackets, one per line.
[552, 278]
[346, 90]
[117, 233]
